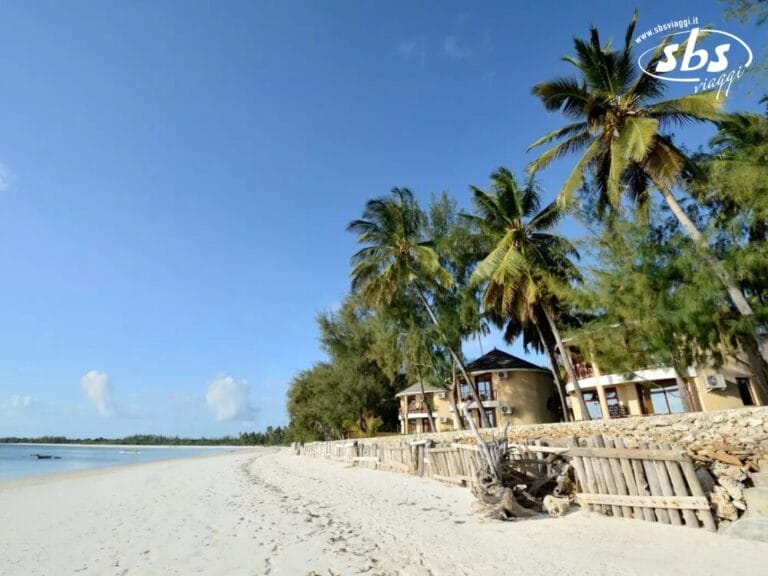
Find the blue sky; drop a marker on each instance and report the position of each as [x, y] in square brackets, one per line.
[176, 177]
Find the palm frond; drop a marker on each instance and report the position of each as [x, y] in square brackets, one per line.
[576, 177]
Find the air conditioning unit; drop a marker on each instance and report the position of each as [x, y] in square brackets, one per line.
[503, 375]
[441, 395]
[506, 409]
[715, 382]
[444, 420]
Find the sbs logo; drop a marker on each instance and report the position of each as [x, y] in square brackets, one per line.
[729, 57]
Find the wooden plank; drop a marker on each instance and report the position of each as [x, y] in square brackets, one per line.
[366, 459]
[597, 469]
[592, 479]
[581, 473]
[470, 447]
[618, 478]
[695, 487]
[673, 503]
[630, 453]
[643, 489]
[653, 482]
[629, 479]
[450, 467]
[680, 489]
[607, 475]
[438, 450]
[546, 449]
[666, 488]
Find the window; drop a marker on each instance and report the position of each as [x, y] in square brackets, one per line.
[464, 391]
[745, 392]
[484, 389]
[615, 409]
[666, 400]
[491, 417]
[592, 400]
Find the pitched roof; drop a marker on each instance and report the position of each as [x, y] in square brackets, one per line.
[416, 389]
[500, 360]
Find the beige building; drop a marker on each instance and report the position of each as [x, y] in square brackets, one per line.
[512, 391]
[663, 390]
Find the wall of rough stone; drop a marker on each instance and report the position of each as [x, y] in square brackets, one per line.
[742, 432]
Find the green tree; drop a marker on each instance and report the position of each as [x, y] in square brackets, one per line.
[654, 301]
[619, 131]
[397, 260]
[523, 264]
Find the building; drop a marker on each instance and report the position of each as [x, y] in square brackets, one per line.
[662, 389]
[512, 391]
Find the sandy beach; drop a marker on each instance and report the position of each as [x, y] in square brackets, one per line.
[267, 511]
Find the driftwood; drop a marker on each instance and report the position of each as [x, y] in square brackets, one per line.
[507, 491]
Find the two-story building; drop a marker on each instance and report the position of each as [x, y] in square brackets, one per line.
[512, 391]
[662, 389]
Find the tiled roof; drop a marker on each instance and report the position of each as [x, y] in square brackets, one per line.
[499, 360]
[416, 389]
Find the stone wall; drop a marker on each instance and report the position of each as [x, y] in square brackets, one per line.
[742, 433]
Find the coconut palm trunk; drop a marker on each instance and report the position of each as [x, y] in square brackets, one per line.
[484, 420]
[559, 384]
[734, 292]
[682, 389]
[567, 363]
[430, 419]
[458, 423]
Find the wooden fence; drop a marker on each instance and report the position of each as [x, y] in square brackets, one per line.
[648, 482]
[651, 482]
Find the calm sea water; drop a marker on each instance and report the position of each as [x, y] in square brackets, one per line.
[19, 460]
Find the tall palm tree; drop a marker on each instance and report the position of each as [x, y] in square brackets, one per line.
[398, 259]
[618, 130]
[523, 263]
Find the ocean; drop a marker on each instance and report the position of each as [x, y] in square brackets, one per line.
[20, 460]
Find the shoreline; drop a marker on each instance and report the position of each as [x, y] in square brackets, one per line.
[81, 445]
[49, 477]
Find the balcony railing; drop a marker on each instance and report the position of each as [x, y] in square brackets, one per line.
[582, 371]
[484, 397]
[418, 406]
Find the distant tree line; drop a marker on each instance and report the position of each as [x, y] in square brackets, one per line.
[272, 436]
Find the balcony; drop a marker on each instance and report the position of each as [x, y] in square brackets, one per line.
[418, 406]
[416, 409]
[582, 370]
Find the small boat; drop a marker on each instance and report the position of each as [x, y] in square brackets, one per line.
[130, 451]
[46, 457]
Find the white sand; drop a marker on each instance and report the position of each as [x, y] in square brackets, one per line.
[270, 512]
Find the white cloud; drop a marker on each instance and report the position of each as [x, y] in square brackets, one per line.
[454, 49]
[20, 401]
[15, 404]
[229, 399]
[99, 391]
[5, 177]
[415, 48]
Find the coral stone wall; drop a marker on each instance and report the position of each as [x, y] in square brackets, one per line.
[742, 432]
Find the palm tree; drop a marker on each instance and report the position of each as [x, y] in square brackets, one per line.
[523, 263]
[618, 129]
[397, 259]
